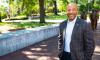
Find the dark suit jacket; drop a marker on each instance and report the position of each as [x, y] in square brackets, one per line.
[82, 40]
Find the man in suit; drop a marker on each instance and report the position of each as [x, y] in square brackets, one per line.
[76, 40]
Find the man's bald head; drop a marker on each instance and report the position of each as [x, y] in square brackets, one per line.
[72, 5]
[72, 11]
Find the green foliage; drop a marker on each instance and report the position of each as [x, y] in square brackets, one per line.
[96, 5]
[2, 11]
[3, 15]
[83, 8]
[56, 17]
[27, 7]
[30, 24]
[35, 9]
[62, 6]
[24, 24]
[82, 2]
[23, 17]
[49, 10]
[49, 6]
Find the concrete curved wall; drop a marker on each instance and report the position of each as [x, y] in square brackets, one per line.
[12, 41]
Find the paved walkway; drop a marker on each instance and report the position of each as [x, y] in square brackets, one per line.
[96, 55]
[47, 50]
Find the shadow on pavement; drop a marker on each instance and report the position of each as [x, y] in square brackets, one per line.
[45, 50]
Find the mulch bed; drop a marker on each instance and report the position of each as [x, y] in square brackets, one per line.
[16, 29]
[12, 30]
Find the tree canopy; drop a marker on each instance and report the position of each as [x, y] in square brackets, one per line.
[28, 7]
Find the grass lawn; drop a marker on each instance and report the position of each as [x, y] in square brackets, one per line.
[48, 17]
[24, 24]
[18, 26]
[56, 17]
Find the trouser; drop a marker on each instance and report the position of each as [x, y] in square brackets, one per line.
[65, 56]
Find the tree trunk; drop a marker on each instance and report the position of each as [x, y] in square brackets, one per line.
[0, 17]
[42, 11]
[67, 2]
[76, 1]
[93, 3]
[22, 7]
[55, 7]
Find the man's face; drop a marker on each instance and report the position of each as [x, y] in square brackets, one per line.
[72, 11]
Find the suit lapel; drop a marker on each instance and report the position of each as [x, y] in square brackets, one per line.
[64, 25]
[63, 28]
[76, 26]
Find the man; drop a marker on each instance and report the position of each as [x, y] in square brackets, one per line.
[76, 40]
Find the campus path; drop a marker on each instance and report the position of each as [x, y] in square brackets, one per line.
[47, 50]
[96, 55]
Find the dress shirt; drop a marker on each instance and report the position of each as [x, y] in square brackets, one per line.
[68, 34]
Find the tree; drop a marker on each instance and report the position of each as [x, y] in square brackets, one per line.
[55, 7]
[0, 17]
[27, 6]
[76, 1]
[42, 11]
[93, 2]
